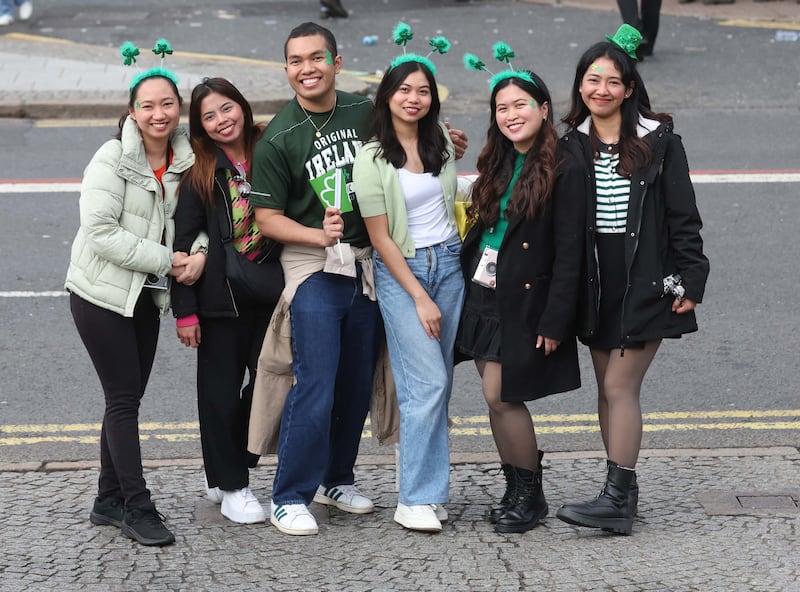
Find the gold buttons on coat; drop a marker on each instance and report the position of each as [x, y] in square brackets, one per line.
[527, 286]
[526, 246]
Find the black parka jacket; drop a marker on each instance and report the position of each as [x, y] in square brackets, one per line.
[211, 296]
[538, 275]
[662, 237]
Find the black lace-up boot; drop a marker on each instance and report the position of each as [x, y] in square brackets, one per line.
[528, 505]
[611, 510]
[498, 510]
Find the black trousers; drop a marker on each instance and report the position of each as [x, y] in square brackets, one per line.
[228, 348]
[122, 350]
[646, 22]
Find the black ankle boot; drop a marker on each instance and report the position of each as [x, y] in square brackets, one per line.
[610, 510]
[633, 497]
[528, 506]
[496, 511]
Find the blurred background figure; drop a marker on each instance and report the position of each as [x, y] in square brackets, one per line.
[645, 20]
[331, 9]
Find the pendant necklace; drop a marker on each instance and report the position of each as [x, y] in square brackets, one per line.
[318, 133]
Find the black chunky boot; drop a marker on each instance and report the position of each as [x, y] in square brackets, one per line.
[610, 510]
[529, 505]
[496, 511]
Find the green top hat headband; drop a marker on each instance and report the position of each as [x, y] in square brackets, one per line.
[627, 38]
[402, 34]
[129, 51]
[502, 53]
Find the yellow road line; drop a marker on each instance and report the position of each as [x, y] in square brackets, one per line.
[785, 25]
[88, 433]
[457, 420]
[67, 123]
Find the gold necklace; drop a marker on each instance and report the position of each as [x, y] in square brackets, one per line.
[327, 121]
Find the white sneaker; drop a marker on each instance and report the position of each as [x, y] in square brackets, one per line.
[440, 511]
[344, 497]
[240, 505]
[214, 494]
[293, 519]
[6, 20]
[25, 10]
[422, 517]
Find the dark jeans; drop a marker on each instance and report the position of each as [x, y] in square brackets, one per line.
[335, 336]
[228, 348]
[122, 350]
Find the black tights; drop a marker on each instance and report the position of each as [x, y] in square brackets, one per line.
[512, 426]
[122, 350]
[619, 383]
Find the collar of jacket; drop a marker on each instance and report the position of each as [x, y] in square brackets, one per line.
[644, 127]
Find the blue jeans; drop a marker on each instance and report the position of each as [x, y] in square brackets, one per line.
[7, 6]
[335, 331]
[423, 368]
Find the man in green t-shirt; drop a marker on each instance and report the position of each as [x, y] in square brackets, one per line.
[303, 198]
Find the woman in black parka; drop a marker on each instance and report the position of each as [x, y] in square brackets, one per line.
[645, 269]
[519, 324]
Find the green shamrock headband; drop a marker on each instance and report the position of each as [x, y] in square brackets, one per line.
[627, 38]
[129, 51]
[402, 34]
[502, 53]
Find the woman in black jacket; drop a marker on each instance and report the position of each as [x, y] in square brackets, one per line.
[645, 268]
[519, 314]
[224, 322]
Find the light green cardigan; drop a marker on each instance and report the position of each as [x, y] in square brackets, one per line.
[377, 186]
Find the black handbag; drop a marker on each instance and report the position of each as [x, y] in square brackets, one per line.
[257, 283]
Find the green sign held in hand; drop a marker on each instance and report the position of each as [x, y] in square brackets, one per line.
[331, 190]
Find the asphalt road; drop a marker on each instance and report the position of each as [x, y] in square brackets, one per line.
[733, 92]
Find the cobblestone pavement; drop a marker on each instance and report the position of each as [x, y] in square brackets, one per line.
[692, 533]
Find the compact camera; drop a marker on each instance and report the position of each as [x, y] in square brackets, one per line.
[673, 284]
[155, 282]
[486, 272]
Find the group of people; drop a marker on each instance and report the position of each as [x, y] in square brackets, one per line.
[348, 208]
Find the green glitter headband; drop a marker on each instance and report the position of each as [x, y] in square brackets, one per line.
[162, 47]
[502, 53]
[627, 38]
[402, 35]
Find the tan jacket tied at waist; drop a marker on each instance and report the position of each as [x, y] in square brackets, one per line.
[274, 377]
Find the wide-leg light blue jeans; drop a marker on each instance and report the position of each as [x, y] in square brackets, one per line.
[423, 368]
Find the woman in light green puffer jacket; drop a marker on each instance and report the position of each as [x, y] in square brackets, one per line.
[120, 265]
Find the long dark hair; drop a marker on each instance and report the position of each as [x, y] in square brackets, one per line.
[201, 175]
[634, 152]
[431, 142]
[132, 101]
[496, 162]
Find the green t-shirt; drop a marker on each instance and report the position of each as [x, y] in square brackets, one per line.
[294, 170]
[493, 236]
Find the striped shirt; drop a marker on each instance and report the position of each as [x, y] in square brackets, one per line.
[612, 194]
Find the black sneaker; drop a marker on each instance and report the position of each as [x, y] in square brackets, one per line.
[145, 524]
[107, 511]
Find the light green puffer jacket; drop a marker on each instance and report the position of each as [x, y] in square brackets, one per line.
[123, 217]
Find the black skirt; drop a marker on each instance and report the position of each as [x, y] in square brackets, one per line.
[479, 333]
[613, 279]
